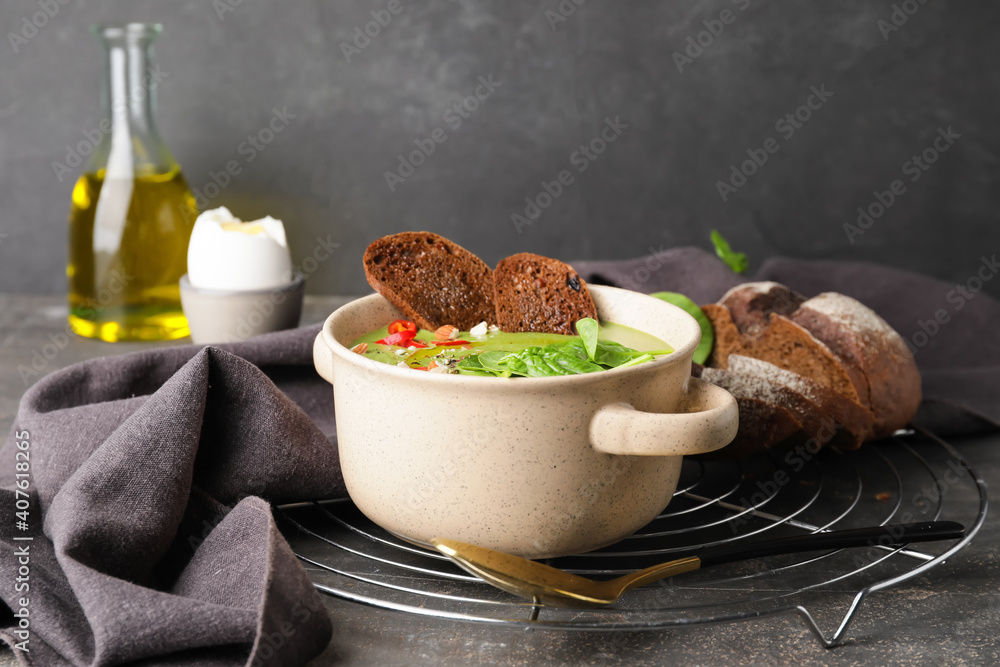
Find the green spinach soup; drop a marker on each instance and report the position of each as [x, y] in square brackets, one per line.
[490, 352]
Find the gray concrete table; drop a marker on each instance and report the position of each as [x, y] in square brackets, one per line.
[949, 616]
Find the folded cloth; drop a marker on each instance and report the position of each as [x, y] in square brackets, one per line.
[951, 329]
[151, 539]
[146, 538]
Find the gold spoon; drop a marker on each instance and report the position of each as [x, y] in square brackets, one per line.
[542, 583]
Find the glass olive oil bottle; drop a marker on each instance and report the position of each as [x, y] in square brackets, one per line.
[132, 212]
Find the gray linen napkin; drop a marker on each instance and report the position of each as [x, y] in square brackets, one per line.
[152, 542]
[952, 330]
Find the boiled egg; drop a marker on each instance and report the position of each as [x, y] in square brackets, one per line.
[225, 253]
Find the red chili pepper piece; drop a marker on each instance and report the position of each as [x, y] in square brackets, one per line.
[417, 343]
[401, 338]
[398, 326]
[420, 368]
[451, 342]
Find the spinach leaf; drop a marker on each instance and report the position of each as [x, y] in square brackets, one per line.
[707, 331]
[569, 358]
[533, 363]
[516, 365]
[568, 362]
[470, 366]
[737, 261]
[606, 352]
[553, 360]
[573, 347]
[613, 354]
[471, 362]
[492, 360]
[587, 328]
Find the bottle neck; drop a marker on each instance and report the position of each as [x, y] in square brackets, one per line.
[128, 96]
[129, 88]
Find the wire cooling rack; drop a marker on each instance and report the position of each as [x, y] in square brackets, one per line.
[914, 476]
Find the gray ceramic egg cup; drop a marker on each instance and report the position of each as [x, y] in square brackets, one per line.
[229, 316]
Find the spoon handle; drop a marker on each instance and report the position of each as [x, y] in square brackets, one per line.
[891, 534]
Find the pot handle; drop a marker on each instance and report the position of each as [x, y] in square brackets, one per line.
[323, 358]
[707, 420]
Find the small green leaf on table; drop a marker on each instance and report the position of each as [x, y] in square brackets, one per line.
[737, 261]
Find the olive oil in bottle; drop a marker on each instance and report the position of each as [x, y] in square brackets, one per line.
[132, 212]
[123, 277]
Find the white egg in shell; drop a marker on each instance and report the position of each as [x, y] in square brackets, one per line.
[225, 253]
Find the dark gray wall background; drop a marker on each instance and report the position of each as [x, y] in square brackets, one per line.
[654, 187]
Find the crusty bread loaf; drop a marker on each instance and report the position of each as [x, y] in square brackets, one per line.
[834, 358]
[535, 293]
[889, 379]
[432, 280]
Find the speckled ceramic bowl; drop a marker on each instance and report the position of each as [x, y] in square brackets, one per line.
[539, 467]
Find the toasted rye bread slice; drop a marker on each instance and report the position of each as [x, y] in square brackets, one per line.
[432, 280]
[535, 293]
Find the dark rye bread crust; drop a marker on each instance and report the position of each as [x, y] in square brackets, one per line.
[751, 304]
[535, 293]
[432, 280]
[866, 342]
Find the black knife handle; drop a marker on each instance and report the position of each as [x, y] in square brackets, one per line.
[891, 534]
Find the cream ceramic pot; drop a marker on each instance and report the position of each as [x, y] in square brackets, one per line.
[538, 467]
